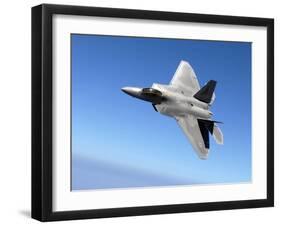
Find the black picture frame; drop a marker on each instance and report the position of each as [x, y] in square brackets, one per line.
[42, 111]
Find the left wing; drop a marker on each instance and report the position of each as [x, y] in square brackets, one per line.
[185, 79]
[195, 134]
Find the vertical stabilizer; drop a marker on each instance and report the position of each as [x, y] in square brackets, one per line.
[205, 94]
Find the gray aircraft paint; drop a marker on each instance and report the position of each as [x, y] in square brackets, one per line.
[184, 101]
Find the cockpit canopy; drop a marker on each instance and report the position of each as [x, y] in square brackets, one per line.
[151, 92]
[152, 95]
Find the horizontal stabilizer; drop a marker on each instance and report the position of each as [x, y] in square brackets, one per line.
[205, 94]
[217, 134]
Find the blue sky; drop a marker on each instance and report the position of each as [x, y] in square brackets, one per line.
[119, 141]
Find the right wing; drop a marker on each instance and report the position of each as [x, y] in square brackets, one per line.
[185, 79]
[194, 133]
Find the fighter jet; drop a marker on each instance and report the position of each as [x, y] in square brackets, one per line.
[183, 100]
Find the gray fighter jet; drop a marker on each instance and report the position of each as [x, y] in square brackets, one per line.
[183, 100]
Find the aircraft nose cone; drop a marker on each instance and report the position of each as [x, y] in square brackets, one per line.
[126, 90]
[132, 91]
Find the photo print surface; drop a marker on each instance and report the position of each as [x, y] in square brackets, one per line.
[123, 142]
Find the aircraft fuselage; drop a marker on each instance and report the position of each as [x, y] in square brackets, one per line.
[171, 102]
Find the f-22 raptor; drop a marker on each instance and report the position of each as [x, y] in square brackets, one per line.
[183, 100]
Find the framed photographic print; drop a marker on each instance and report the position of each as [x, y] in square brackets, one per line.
[145, 112]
